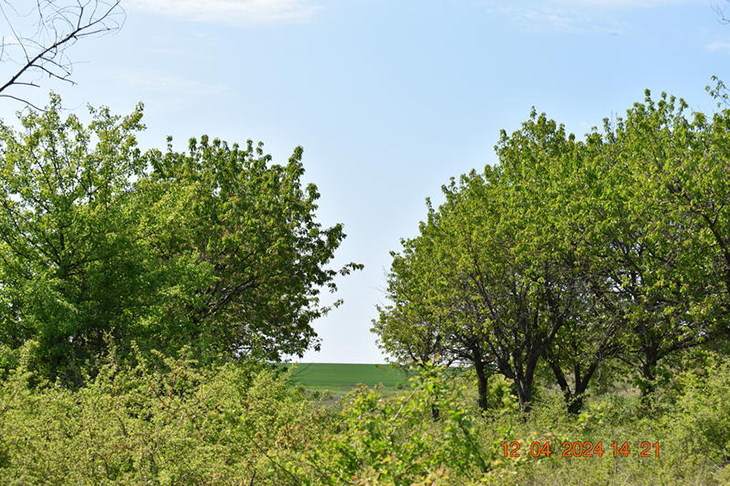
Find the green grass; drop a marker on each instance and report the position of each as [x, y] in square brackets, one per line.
[339, 378]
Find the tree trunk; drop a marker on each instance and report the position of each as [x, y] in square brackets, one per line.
[648, 371]
[483, 383]
[523, 383]
[574, 399]
[435, 412]
[524, 394]
[581, 385]
[564, 386]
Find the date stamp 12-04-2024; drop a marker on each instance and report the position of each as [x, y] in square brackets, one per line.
[579, 449]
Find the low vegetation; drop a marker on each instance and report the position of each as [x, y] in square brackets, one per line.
[169, 421]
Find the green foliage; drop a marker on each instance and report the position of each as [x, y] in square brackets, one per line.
[396, 441]
[168, 421]
[216, 248]
[492, 278]
[570, 255]
[70, 270]
[157, 284]
[243, 253]
[700, 416]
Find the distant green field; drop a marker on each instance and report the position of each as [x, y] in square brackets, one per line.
[341, 378]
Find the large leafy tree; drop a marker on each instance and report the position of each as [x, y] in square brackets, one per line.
[411, 329]
[537, 260]
[70, 269]
[665, 228]
[496, 289]
[243, 251]
[425, 321]
[217, 248]
[547, 184]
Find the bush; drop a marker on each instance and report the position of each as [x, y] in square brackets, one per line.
[170, 423]
[700, 420]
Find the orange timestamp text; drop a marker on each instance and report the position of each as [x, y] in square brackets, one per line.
[579, 449]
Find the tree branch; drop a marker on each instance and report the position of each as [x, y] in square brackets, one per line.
[59, 26]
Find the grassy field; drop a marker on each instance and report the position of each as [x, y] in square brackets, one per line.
[340, 378]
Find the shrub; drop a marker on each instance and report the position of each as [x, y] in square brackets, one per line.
[168, 423]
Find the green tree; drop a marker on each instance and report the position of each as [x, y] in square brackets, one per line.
[551, 182]
[70, 266]
[652, 237]
[243, 253]
[409, 329]
[217, 249]
[490, 306]
[425, 322]
[505, 273]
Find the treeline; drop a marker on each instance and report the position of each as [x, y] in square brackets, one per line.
[571, 256]
[143, 294]
[103, 245]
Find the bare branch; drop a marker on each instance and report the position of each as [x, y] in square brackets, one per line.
[720, 11]
[56, 25]
[21, 100]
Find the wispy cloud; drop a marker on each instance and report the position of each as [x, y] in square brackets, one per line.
[573, 15]
[160, 82]
[540, 16]
[231, 11]
[619, 4]
[718, 46]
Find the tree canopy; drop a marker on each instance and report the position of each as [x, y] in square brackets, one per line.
[571, 254]
[217, 248]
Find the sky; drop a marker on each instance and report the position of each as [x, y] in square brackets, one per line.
[388, 98]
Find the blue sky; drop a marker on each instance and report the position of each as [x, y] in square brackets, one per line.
[388, 98]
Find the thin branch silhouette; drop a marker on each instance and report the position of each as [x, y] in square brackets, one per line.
[40, 37]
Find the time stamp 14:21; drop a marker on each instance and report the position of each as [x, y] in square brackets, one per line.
[579, 449]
